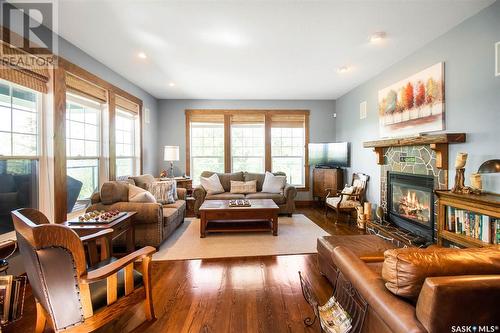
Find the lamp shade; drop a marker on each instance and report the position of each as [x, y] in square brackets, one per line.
[171, 153]
[490, 166]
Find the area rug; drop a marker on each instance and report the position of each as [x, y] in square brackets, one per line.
[296, 235]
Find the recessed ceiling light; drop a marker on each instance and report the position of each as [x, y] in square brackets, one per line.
[343, 69]
[171, 84]
[142, 55]
[377, 37]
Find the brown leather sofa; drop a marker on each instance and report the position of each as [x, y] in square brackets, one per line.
[285, 200]
[154, 222]
[442, 302]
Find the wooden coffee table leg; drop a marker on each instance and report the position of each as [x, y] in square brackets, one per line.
[130, 239]
[203, 225]
[275, 225]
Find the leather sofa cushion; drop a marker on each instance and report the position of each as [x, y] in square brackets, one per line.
[225, 196]
[225, 178]
[405, 270]
[143, 181]
[98, 291]
[368, 248]
[278, 198]
[177, 205]
[169, 215]
[114, 191]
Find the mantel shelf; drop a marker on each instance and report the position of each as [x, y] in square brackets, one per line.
[437, 142]
[444, 138]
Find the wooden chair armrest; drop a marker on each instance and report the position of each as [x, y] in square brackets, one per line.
[97, 235]
[332, 192]
[115, 266]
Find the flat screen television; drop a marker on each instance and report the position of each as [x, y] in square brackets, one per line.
[333, 155]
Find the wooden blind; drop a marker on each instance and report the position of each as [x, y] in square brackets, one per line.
[244, 117]
[22, 72]
[206, 117]
[126, 104]
[81, 86]
[288, 120]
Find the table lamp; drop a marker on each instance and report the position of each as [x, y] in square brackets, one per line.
[171, 154]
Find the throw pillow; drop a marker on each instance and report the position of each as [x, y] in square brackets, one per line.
[137, 194]
[243, 187]
[143, 181]
[162, 191]
[212, 184]
[273, 184]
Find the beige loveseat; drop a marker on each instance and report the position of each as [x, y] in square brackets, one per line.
[154, 222]
[285, 200]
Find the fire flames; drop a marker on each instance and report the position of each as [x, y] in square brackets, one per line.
[410, 206]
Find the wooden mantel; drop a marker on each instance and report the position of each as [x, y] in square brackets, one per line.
[438, 142]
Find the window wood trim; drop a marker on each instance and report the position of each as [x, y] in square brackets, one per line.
[189, 113]
[53, 81]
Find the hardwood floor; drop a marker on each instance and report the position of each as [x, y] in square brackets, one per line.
[250, 294]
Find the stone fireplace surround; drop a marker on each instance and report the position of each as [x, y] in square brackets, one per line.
[422, 155]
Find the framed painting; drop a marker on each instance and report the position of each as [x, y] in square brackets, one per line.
[414, 105]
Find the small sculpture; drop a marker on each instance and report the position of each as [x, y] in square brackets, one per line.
[459, 186]
[380, 214]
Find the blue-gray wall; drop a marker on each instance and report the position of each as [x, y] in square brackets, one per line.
[472, 98]
[171, 121]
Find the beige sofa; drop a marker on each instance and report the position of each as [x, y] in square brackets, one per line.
[285, 200]
[154, 222]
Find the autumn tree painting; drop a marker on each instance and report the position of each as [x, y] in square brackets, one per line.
[414, 105]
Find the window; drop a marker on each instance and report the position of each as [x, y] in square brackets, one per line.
[287, 153]
[247, 143]
[259, 141]
[83, 150]
[126, 138]
[207, 148]
[19, 150]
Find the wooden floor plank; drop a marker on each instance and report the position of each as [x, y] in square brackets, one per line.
[251, 294]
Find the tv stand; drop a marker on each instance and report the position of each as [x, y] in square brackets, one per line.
[324, 179]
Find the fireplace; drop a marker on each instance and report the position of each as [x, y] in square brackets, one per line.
[410, 202]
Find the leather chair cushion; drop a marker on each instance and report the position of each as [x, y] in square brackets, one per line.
[278, 198]
[405, 270]
[114, 191]
[225, 196]
[98, 291]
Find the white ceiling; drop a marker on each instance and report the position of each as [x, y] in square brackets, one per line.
[254, 49]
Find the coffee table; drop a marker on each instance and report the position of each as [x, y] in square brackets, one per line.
[217, 216]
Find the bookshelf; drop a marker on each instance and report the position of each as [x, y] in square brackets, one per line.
[467, 220]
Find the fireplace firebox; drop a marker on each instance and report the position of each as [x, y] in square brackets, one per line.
[410, 203]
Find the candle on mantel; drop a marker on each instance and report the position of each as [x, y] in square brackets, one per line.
[460, 160]
[475, 181]
[368, 211]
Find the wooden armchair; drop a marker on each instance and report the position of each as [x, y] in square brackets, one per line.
[343, 201]
[75, 296]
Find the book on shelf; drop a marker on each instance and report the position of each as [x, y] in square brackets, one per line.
[11, 297]
[472, 224]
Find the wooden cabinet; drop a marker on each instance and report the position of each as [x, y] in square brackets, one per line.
[327, 178]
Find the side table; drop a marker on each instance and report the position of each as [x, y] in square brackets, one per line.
[120, 226]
